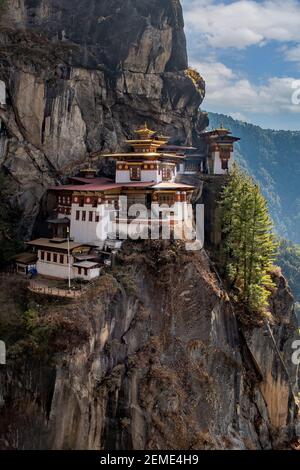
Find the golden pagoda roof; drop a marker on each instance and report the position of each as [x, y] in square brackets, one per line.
[89, 170]
[149, 146]
[143, 155]
[163, 137]
[155, 142]
[147, 139]
[221, 129]
[145, 132]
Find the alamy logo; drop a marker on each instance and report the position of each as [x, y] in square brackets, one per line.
[2, 353]
[296, 94]
[137, 221]
[296, 353]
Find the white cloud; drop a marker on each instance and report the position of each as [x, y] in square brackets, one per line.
[238, 116]
[214, 73]
[293, 54]
[243, 23]
[231, 91]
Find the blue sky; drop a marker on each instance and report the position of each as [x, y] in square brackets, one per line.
[249, 54]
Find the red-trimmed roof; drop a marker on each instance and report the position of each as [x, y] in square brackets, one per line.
[106, 187]
[106, 184]
[97, 180]
[84, 187]
[99, 187]
[137, 184]
[176, 147]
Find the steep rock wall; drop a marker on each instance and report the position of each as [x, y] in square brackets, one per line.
[164, 365]
[156, 358]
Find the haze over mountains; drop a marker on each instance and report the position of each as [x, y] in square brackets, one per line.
[273, 158]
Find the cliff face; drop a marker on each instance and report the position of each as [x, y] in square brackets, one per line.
[138, 370]
[153, 357]
[80, 76]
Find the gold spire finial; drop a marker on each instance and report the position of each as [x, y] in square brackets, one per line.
[222, 129]
[145, 132]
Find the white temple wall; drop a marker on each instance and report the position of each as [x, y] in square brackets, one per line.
[86, 231]
[175, 173]
[123, 176]
[217, 164]
[56, 270]
[83, 231]
[91, 273]
[147, 176]
[150, 175]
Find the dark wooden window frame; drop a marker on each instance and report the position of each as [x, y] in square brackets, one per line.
[135, 173]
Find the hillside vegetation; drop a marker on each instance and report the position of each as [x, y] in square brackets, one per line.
[249, 243]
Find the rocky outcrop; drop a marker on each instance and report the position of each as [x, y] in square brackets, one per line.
[80, 77]
[153, 357]
[148, 371]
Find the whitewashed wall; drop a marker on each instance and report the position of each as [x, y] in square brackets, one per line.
[123, 176]
[150, 175]
[60, 271]
[56, 270]
[217, 164]
[92, 274]
[86, 231]
[147, 176]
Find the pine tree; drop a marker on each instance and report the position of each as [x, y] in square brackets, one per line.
[249, 245]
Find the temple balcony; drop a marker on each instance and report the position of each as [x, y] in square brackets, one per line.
[52, 288]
